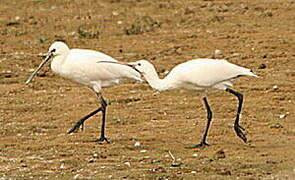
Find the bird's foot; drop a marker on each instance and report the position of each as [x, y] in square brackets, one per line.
[239, 131]
[101, 140]
[108, 103]
[73, 130]
[241, 127]
[202, 144]
[76, 128]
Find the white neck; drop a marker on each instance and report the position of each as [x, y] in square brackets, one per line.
[156, 83]
[57, 62]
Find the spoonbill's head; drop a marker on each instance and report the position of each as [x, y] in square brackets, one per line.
[58, 48]
[143, 67]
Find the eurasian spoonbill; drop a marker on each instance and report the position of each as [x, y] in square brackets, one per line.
[80, 65]
[198, 74]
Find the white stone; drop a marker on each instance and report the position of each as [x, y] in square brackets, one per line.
[282, 116]
[275, 87]
[62, 166]
[115, 13]
[195, 155]
[127, 164]
[76, 176]
[137, 144]
[217, 52]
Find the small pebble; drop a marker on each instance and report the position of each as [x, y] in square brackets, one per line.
[95, 155]
[127, 164]
[218, 53]
[91, 160]
[276, 125]
[224, 173]
[282, 116]
[235, 54]
[115, 13]
[76, 176]
[262, 66]
[176, 164]
[62, 166]
[219, 154]
[137, 144]
[195, 155]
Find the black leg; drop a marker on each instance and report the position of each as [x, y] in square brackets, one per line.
[82, 120]
[209, 118]
[237, 127]
[103, 124]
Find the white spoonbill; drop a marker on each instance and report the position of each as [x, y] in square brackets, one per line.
[198, 74]
[80, 65]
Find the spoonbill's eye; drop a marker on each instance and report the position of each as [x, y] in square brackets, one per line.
[139, 64]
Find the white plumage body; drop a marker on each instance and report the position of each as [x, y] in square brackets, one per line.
[196, 74]
[204, 73]
[80, 65]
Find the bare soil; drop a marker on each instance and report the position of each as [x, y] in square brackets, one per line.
[34, 118]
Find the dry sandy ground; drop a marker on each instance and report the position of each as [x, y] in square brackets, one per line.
[35, 118]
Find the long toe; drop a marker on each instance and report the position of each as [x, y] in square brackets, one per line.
[101, 140]
[202, 144]
[240, 133]
[243, 137]
[73, 130]
[241, 127]
[82, 127]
